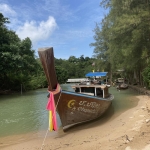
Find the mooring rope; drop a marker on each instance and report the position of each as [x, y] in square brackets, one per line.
[44, 139]
[48, 129]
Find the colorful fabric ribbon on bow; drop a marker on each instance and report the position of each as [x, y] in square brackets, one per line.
[52, 113]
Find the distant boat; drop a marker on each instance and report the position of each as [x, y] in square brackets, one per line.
[122, 86]
[88, 102]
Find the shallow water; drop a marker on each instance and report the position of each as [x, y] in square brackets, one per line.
[23, 113]
[26, 113]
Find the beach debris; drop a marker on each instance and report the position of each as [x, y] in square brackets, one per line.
[147, 120]
[127, 138]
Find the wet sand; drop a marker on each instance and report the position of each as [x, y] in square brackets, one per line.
[128, 131]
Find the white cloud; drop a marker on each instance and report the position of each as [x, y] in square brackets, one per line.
[6, 10]
[37, 32]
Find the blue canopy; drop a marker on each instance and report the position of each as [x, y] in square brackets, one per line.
[92, 74]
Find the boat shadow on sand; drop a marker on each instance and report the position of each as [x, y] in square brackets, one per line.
[93, 123]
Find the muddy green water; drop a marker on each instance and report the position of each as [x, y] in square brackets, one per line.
[21, 114]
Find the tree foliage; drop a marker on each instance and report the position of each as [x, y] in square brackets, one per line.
[73, 67]
[122, 38]
[17, 59]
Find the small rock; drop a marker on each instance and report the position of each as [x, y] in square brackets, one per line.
[147, 120]
[127, 141]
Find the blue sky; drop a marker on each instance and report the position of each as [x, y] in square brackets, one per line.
[65, 25]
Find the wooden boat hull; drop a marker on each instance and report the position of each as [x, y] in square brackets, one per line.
[75, 108]
[72, 107]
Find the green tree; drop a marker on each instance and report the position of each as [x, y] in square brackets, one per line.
[123, 36]
[17, 59]
[62, 74]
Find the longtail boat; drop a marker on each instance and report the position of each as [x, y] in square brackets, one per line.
[74, 107]
[122, 86]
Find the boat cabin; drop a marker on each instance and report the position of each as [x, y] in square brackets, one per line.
[93, 90]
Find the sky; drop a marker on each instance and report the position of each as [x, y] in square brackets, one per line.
[65, 25]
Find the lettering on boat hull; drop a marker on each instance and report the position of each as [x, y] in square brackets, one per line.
[83, 106]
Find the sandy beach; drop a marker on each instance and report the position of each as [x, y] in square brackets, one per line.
[128, 131]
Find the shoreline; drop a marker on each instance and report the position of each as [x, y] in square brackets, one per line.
[128, 131]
